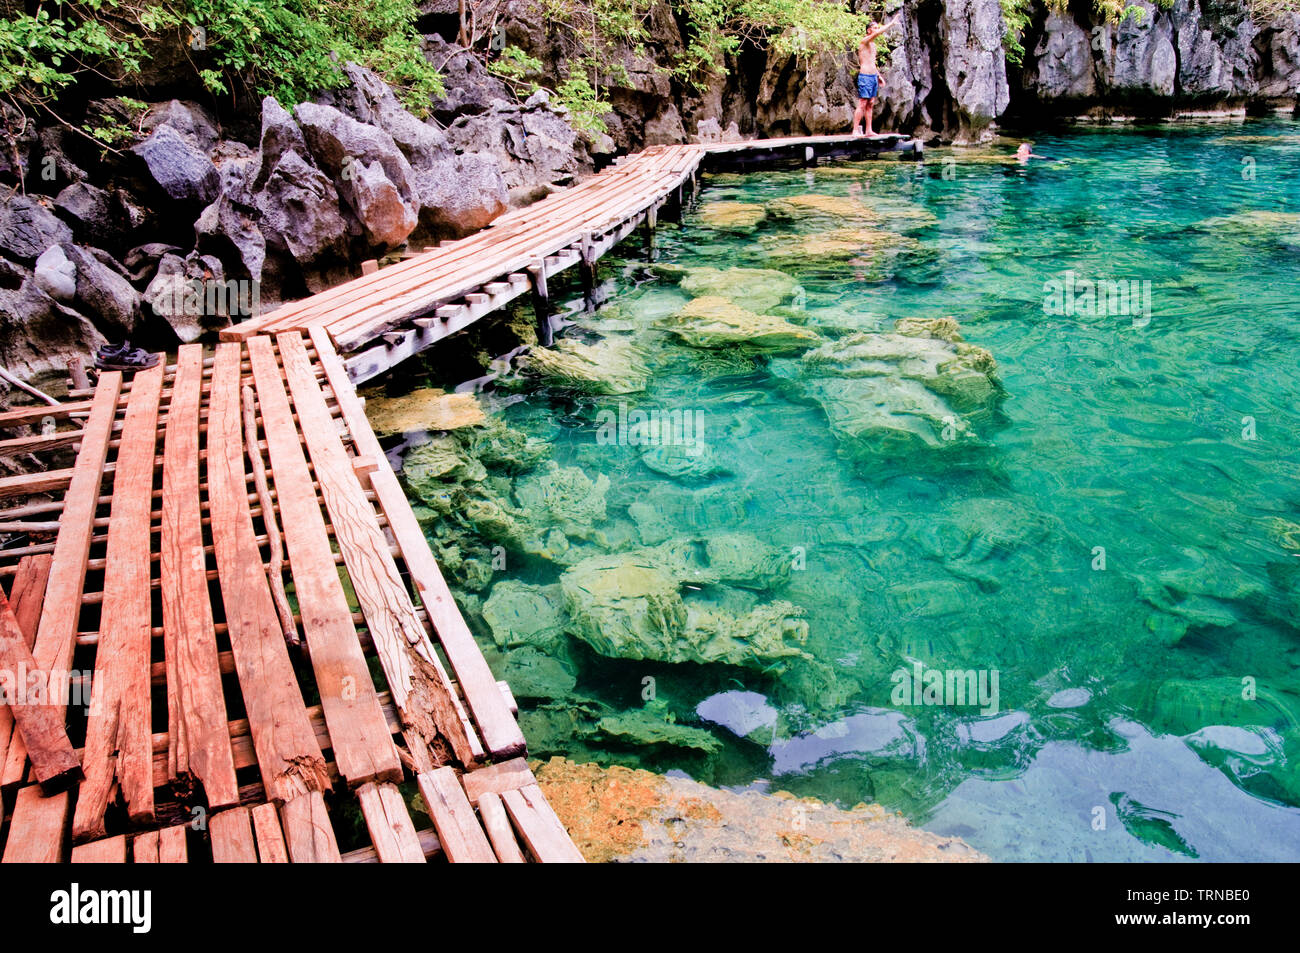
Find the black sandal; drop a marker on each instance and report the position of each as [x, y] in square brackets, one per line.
[135, 359]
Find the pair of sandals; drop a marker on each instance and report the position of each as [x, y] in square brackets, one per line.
[123, 357]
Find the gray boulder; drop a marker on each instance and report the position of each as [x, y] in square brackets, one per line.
[814, 97]
[188, 118]
[1061, 67]
[38, 333]
[179, 165]
[73, 276]
[91, 212]
[299, 211]
[370, 172]
[27, 228]
[1139, 59]
[228, 227]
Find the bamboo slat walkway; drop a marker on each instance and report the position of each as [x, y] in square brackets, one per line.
[234, 574]
[380, 319]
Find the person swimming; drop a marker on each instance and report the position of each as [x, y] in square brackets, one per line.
[1026, 152]
[869, 77]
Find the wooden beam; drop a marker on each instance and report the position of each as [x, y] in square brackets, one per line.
[497, 728]
[118, 753]
[38, 720]
[27, 597]
[308, 834]
[56, 636]
[110, 850]
[542, 831]
[38, 827]
[492, 812]
[391, 831]
[232, 837]
[363, 748]
[462, 839]
[196, 707]
[421, 689]
[270, 839]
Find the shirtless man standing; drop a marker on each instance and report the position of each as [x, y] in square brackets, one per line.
[869, 77]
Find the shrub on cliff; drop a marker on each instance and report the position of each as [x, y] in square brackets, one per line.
[285, 48]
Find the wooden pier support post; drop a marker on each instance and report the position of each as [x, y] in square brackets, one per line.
[651, 224]
[541, 303]
[587, 271]
[809, 155]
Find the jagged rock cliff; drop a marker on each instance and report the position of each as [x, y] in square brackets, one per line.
[1195, 55]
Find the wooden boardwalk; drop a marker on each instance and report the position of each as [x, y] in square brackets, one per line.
[245, 634]
[380, 319]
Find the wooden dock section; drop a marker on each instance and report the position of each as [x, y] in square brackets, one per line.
[227, 632]
[384, 317]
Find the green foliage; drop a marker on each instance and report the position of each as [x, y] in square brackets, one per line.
[285, 48]
[802, 28]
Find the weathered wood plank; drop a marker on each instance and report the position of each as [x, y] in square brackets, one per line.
[38, 827]
[118, 730]
[542, 831]
[498, 778]
[57, 633]
[166, 846]
[39, 719]
[270, 839]
[492, 812]
[232, 837]
[420, 688]
[391, 831]
[196, 709]
[453, 817]
[497, 728]
[363, 748]
[26, 597]
[288, 754]
[110, 850]
[308, 836]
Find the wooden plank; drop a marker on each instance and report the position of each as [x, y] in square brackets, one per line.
[24, 416]
[118, 730]
[288, 755]
[110, 850]
[363, 748]
[166, 846]
[57, 633]
[391, 831]
[308, 836]
[196, 707]
[421, 690]
[26, 597]
[270, 839]
[462, 839]
[38, 720]
[497, 728]
[38, 827]
[541, 830]
[492, 812]
[498, 778]
[232, 837]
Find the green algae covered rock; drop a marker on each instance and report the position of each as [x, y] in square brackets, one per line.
[429, 467]
[609, 366]
[566, 496]
[535, 674]
[714, 321]
[818, 208]
[688, 463]
[655, 726]
[501, 447]
[756, 289]
[895, 393]
[520, 614]
[728, 216]
[630, 605]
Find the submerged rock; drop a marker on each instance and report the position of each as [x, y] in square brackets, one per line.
[688, 463]
[757, 289]
[895, 393]
[819, 208]
[630, 605]
[621, 814]
[520, 614]
[609, 366]
[426, 409]
[647, 726]
[714, 321]
[836, 245]
[739, 217]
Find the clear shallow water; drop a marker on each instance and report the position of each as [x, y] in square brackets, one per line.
[1121, 731]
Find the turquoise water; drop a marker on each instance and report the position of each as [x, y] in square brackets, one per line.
[1115, 536]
